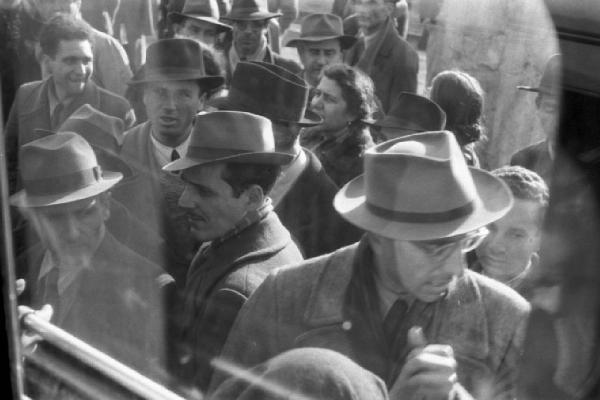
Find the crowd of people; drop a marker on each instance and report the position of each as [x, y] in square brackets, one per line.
[240, 225]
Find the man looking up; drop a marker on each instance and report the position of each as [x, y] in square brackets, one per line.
[382, 54]
[400, 302]
[228, 170]
[320, 44]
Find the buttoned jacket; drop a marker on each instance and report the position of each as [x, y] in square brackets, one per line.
[303, 306]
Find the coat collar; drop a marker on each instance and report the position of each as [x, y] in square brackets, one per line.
[464, 321]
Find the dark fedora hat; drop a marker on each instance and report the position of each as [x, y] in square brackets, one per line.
[58, 169]
[250, 10]
[268, 90]
[550, 81]
[200, 10]
[230, 136]
[176, 60]
[320, 27]
[413, 113]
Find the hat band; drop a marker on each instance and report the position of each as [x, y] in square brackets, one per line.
[64, 183]
[418, 217]
[212, 153]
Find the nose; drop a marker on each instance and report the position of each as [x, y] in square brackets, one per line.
[185, 200]
[169, 101]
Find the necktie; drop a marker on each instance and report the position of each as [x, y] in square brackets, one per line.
[56, 119]
[395, 327]
[174, 155]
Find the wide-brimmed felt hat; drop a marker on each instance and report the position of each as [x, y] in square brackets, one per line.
[250, 10]
[58, 169]
[175, 60]
[550, 81]
[419, 187]
[412, 112]
[320, 27]
[230, 136]
[201, 10]
[269, 90]
[103, 132]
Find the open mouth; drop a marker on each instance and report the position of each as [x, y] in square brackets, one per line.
[166, 120]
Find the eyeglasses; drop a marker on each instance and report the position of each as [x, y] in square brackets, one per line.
[467, 242]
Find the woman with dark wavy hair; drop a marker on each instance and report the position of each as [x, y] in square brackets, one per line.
[345, 100]
[461, 97]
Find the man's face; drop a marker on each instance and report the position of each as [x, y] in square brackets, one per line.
[48, 8]
[209, 202]
[513, 239]
[286, 134]
[200, 31]
[247, 36]
[329, 104]
[71, 67]
[317, 55]
[424, 270]
[548, 111]
[171, 107]
[371, 14]
[73, 231]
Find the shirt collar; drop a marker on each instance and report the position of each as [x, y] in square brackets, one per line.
[249, 219]
[163, 153]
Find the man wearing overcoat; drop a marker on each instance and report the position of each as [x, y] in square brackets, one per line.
[400, 302]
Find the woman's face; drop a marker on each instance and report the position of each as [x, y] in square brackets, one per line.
[330, 104]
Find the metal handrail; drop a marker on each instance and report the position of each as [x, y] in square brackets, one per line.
[117, 372]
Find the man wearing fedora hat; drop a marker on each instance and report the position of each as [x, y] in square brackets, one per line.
[250, 22]
[411, 113]
[539, 157]
[276, 93]
[175, 86]
[66, 46]
[228, 170]
[382, 54]
[101, 291]
[199, 20]
[321, 43]
[400, 302]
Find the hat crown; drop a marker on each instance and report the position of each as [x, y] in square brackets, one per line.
[205, 8]
[420, 174]
[325, 25]
[268, 90]
[168, 56]
[250, 9]
[414, 112]
[100, 130]
[232, 131]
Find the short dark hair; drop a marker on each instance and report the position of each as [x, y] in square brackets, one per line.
[461, 97]
[524, 183]
[357, 89]
[240, 176]
[62, 28]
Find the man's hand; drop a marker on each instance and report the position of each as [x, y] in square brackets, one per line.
[429, 372]
[29, 340]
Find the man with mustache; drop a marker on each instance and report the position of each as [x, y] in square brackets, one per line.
[229, 170]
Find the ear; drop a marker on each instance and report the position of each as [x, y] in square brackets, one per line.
[202, 101]
[46, 65]
[255, 197]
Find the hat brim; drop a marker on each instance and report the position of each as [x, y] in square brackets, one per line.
[495, 202]
[310, 118]
[176, 17]
[529, 89]
[109, 179]
[346, 41]
[210, 82]
[269, 158]
[255, 16]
